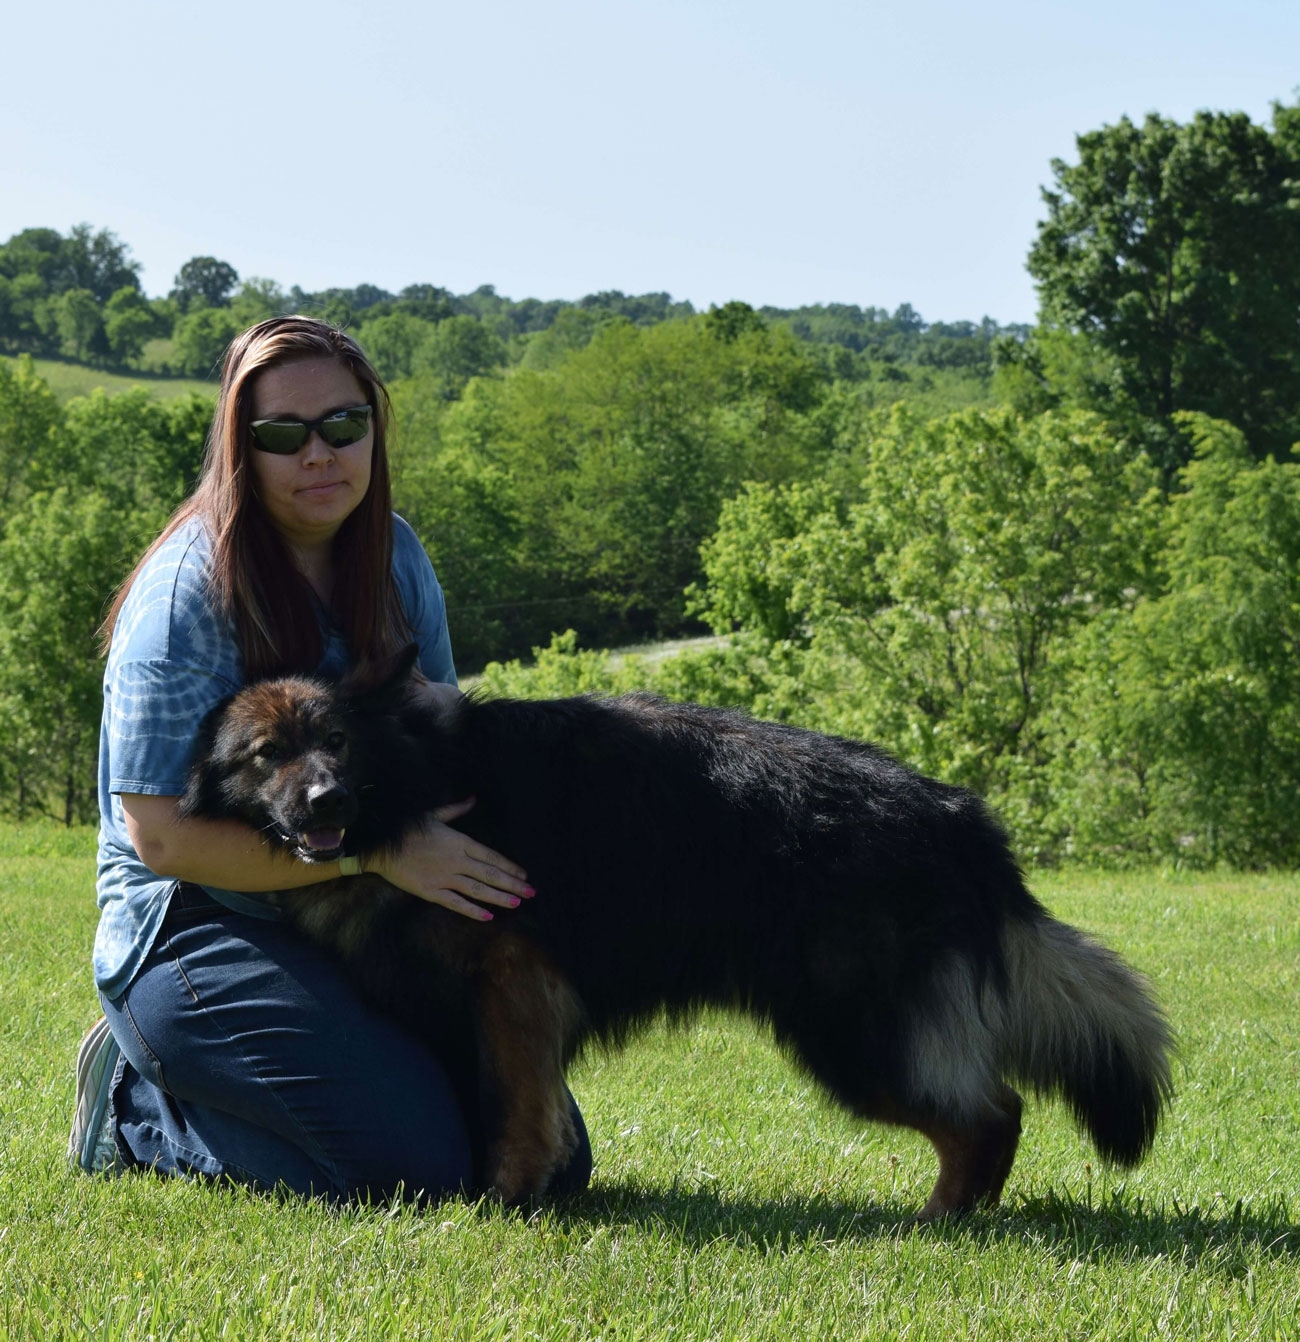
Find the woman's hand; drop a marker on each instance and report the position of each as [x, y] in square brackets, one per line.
[444, 866]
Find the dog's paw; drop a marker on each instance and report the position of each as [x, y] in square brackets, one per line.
[515, 1183]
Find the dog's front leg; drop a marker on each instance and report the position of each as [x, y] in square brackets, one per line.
[527, 1016]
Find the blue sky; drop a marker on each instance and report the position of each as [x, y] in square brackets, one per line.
[779, 153]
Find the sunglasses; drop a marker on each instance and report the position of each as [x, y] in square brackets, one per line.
[339, 428]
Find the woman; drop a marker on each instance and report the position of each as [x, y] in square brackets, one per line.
[230, 1047]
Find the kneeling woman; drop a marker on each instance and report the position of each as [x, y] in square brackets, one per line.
[240, 1051]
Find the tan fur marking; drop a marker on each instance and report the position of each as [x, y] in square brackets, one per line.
[528, 1014]
[973, 1163]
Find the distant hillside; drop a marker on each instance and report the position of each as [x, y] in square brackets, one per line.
[67, 379]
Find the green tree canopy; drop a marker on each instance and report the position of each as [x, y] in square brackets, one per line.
[30, 417]
[129, 321]
[933, 612]
[60, 560]
[98, 261]
[200, 340]
[257, 300]
[1181, 738]
[1175, 249]
[456, 350]
[81, 324]
[394, 341]
[203, 281]
[593, 482]
[34, 251]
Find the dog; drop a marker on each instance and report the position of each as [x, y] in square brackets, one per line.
[686, 857]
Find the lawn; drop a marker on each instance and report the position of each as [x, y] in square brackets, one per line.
[67, 380]
[730, 1201]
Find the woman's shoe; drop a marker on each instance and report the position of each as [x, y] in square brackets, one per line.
[91, 1145]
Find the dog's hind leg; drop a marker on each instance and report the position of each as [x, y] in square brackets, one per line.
[955, 1095]
[938, 1072]
[975, 1156]
[528, 1018]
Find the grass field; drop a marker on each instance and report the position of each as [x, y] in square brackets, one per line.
[67, 380]
[729, 1201]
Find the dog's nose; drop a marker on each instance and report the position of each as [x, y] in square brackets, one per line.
[325, 796]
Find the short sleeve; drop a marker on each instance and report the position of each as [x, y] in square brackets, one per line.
[423, 604]
[152, 713]
[173, 658]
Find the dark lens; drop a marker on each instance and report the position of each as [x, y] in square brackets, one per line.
[348, 426]
[281, 436]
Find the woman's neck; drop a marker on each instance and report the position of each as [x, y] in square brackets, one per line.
[316, 564]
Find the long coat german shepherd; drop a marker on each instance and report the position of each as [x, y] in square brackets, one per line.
[685, 856]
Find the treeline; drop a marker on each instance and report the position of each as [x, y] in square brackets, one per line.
[79, 297]
[1082, 601]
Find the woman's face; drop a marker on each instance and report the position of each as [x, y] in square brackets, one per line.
[310, 494]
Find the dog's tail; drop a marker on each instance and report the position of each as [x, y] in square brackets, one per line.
[1076, 1021]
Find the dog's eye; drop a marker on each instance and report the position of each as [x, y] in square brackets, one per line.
[266, 750]
[336, 740]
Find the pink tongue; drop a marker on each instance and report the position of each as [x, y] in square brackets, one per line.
[323, 839]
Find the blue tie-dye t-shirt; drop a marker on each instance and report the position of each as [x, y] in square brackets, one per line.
[173, 657]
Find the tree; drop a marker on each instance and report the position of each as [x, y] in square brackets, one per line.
[455, 351]
[257, 300]
[394, 342]
[732, 320]
[99, 262]
[619, 458]
[1175, 249]
[129, 321]
[59, 563]
[34, 251]
[932, 614]
[429, 302]
[29, 416]
[780, 556]
[572, 329]
[81, 324]
[204, 281]
[139, 453]
[200, 340]
[579, 493]
[1181, 736]
[25, 322]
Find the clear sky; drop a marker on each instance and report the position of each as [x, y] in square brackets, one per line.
[810, 151]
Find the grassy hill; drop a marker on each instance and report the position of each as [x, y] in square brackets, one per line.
[67, 379]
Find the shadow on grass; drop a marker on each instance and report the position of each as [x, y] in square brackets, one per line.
[1119, 1227]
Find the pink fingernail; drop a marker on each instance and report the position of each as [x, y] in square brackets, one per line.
[529, 892]
[515, 902]
[484, 916]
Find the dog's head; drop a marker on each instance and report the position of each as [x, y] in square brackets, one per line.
[279, 754]
[322, 769]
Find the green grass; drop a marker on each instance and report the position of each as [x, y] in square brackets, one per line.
[730, 1200]
[67, 380]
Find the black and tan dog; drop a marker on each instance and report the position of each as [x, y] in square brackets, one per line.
[685, 856]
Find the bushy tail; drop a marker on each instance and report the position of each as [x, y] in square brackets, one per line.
[1079, 1023]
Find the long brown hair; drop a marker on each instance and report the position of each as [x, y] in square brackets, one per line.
[251, 572]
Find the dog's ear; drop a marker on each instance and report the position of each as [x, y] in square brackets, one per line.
[376, 686]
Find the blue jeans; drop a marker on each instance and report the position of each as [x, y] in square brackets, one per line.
[245, 1054]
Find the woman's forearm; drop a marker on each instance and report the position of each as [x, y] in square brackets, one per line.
[227, 854]
[434, 862]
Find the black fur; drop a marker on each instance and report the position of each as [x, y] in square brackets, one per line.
[687, 856]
